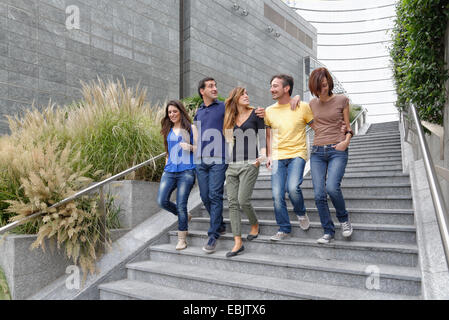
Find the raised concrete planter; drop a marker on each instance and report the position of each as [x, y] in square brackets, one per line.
[137, 200]
[27, 271]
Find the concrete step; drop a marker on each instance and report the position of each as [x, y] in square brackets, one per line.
[379, 153]
[374, 157]
[399, 280]
[378, 168]
[365, 216]
[374, 164]
[368, 147]
[380, 143]
[378, 136]
[139, 290]
[362, 232]
[367, 176]
[352, 178]
[359, 201]
[368, 160]
[365, 252]
[238, 285]
[348, 190]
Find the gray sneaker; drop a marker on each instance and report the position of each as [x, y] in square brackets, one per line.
[325, 239]
[280, 236]
[346, 228]
[210, 246]
[304, 222]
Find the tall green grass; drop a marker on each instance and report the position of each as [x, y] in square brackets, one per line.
[4, 290]
[53, 153]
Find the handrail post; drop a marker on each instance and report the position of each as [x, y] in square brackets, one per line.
[102, 216]
[440, 208]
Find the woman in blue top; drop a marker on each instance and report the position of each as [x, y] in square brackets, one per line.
[180, 138]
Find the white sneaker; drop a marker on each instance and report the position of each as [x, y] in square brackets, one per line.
[325, 239]
[304, 222]
[346, 228]
[279, 236]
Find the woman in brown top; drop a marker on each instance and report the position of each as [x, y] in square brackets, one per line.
[329, 154]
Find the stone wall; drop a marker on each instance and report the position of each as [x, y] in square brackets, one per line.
[139, 40]
[237, 49]
[41, 59]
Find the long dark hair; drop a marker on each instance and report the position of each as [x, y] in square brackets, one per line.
[166, 123]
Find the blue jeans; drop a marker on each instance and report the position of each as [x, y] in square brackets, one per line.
[211, 178]
[287, 176]
[325, 160]
[183, 182]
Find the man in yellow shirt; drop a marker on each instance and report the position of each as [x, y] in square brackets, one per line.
[287, 153]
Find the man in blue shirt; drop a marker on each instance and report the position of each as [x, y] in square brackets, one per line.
[210, 159]
[211, 166]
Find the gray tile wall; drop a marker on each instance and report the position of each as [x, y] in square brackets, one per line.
[40, 59]
[237, 50]
[139, 40]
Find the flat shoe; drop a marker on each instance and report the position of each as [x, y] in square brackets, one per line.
[234, 253]
[252, 236]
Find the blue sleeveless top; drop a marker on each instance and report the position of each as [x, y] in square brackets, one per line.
[178, 159]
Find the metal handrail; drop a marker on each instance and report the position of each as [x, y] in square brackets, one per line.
[87, 190]
[435, 189]
[363, 111]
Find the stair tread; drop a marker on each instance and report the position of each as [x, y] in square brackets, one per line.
[340, 266]
[358, 210]
[265, 177]
[147, 291]
[353, 197]
[342, 244]
[293, 288]
[356, 185]
[356, 226]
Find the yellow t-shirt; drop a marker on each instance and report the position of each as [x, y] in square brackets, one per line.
[288, 130]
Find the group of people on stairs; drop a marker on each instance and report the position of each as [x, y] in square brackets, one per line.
[228, 142]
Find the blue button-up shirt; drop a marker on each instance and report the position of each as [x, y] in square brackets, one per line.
[206, 118]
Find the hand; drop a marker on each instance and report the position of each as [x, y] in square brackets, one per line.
[259, 161]
[185, 146]
[294, 102]
[269, 163]
[260, 112]
[342, 146]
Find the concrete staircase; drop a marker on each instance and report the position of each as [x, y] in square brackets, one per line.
[378, 198]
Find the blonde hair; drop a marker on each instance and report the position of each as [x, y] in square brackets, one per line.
[231, 112]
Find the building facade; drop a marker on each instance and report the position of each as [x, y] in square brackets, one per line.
[47, 47]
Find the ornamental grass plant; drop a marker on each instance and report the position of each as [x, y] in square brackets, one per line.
[54, 153]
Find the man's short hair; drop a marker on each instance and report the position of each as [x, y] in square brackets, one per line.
[286, 81]
[202, 84]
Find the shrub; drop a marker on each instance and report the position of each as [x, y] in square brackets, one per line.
[418, 56]
[4, 290]
[54, 153]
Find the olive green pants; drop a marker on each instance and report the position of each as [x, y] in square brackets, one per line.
[240, 180]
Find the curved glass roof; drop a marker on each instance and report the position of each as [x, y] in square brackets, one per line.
[352, 41]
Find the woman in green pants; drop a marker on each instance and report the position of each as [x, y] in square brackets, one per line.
[245, 134]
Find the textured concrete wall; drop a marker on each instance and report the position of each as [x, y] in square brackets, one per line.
[237, 50]
[40, 59]
[139, 40]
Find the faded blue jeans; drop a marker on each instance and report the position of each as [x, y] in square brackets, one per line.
[328, 167]
[183, 182]
[287, 175]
